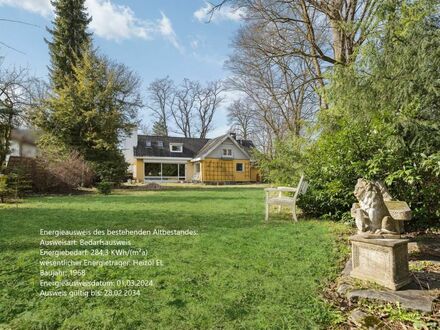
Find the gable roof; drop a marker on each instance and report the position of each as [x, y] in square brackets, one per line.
[247, 145]
[191, 146]
[211, 144]
[214, 143]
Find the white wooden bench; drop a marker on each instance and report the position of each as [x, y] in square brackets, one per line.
[278, 197]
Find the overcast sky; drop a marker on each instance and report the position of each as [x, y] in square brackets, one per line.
[155, 38]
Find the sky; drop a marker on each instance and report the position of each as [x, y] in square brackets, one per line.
[155, 38]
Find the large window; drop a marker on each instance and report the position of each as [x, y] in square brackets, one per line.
[182, 171]
[169, 169]
[152, 170]
[164, 171]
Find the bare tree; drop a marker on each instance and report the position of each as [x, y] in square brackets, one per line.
[182, 109]
[18, 94]
[145, 129]
[263, 137]
[161, 93]
[319, 33]
[282, 88]
[241, 117]
[194, 106]
[349, 23]
[187, 109]
[247, 122]
[208, 100]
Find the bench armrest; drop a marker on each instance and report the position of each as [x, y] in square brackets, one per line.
[286, 189]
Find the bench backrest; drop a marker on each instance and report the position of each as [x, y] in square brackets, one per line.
[302, 187]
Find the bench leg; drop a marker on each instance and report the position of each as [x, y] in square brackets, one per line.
[266, 218]
[294, 213]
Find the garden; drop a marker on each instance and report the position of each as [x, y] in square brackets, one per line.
[237, 272]
[337, 98]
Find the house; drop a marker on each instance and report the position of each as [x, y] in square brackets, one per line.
[22, 143]
[167, 158]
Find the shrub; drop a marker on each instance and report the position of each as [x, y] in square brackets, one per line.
[62, 173]
[3, 187]
[14, 185]
[382, 124]
[110, 166]
[19, 184]
[332, 166]
[284, 166]
[105, 187]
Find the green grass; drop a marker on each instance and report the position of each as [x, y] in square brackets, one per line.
[238, 273]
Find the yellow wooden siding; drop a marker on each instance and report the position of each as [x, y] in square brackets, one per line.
[255, 173]
[212, 170]
[139, 170]
[218, 170]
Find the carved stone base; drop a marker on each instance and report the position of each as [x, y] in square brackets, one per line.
[377, 236]
[383, 261]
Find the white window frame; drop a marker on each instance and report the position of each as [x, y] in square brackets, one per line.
[227, 152]
[242, 167]
[180, 146]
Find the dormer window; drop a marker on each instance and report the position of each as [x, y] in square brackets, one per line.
[176, 147]
[160, 144]
[227, 152]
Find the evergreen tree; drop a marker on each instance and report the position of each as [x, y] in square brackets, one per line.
[96, 106]
[160, 128]
[384, 120]
[69, 39]
[93, 101]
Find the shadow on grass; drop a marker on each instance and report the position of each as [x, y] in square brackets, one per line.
[161, 196]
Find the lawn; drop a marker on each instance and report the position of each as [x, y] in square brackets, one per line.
[237, 273]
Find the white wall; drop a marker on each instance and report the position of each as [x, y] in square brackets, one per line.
[27, 150]
[14, 148]
[127, 148]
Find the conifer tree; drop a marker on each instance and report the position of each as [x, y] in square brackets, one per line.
[92, 111]
[69, 39]
[160, 128]
[93, 101]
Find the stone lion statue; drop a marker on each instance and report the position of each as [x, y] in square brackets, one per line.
[371, 214]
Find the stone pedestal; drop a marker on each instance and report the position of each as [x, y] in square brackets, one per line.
[382, 260]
